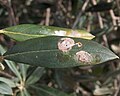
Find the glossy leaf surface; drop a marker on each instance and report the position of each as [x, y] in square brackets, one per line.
[29, 31]
[44, 52]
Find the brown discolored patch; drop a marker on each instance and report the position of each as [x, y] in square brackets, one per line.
[83, 56]
[65, 44]
[79, 44]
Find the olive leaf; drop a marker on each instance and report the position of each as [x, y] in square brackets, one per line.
[5, 89]
[29, 31]
[44, 90]
[44, 52]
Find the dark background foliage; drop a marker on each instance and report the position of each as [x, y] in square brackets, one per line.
[100, 17]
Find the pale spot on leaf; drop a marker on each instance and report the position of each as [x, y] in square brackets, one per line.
[75, 33]
[83, 56]
[60, 33]
[65, 44]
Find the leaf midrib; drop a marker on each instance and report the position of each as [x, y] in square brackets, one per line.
[19, 33]
[22, 53]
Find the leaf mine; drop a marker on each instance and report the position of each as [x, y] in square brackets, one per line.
[66, 44]
[83, 56]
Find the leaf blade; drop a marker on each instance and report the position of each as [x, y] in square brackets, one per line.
[35, 76]
[10, 82]
[5, 89]
[44, 52]
[48, 91]
[11, 64]
[28, 31]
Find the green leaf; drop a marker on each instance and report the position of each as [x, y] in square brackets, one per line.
[5, 89]
[13, 68]
[48, 91]
[64, 79]
[35, 76]
[11, 64]
[29, 31]
[8, 81]
[21, 93]
[26, 93]
[44, 52]
[23, 70]
[2, 95]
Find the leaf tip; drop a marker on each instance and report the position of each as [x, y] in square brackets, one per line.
[1, 31]
[2, 67]
[117, 57]
[86, 35]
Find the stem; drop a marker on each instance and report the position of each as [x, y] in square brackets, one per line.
[80, 14]
[1, 58]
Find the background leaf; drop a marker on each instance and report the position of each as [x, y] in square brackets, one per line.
[23, 70]
[44, 52]
[13, 68]
[5, 89]
[35, 76]
[29, 31]
[10, 82]
[26, 93]
[48, 91]
[11, 64]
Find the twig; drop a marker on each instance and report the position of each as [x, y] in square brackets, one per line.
[11, 14]
[47, 17]
[105, 40]
[61, 6]
[100, 20]
[69, 6]
[114, 18]
[89, 22]
[118, 6]
[99, 16]
[117, 90]
[80, 13]
[116, 82]
[84, 92]
[101, 24]
[7, 4]
[5, 74]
